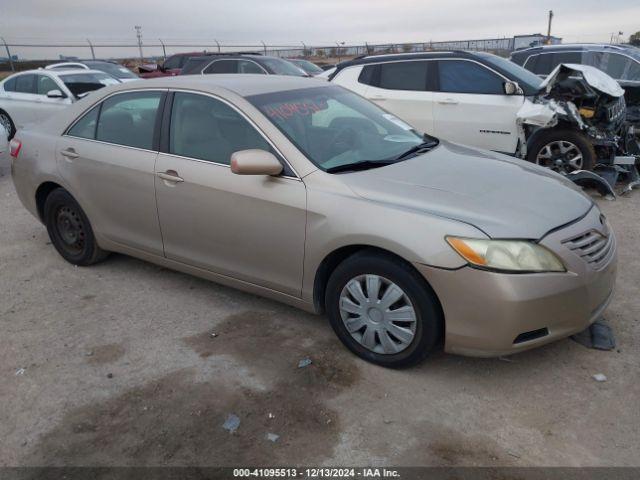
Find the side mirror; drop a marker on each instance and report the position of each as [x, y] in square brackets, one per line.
[255, 162]
[55, 94]
[512, 88]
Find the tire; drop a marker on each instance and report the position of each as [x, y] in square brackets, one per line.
[559, 161]
[5, 121]
[70, 231]
[427, 327]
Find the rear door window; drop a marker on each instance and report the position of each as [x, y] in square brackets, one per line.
[26, 84]
[462, 76]
[410, 75]
[129, 119]
[548, 61]
[222, 66]
[174, 62]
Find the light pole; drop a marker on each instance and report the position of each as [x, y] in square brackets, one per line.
[338, 50]
[139, 35]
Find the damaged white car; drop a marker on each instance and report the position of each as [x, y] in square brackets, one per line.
[570, 122]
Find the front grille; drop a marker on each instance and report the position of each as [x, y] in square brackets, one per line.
[616, 110]
[592, 246]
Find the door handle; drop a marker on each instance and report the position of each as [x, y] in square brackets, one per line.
[378, 98]
[448, 101]
[70, 153]
[170, 176]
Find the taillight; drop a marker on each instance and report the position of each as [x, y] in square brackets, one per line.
[14, 148]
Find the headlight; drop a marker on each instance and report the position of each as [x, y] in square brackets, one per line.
[507, 255]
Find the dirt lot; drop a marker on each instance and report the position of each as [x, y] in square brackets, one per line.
[120, 369]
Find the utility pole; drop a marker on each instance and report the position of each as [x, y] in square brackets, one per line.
[6, 47]
[139, 35]
[164, 50]
[549, 27]
[93, 53]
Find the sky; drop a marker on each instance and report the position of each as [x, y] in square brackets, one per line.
[291, 22]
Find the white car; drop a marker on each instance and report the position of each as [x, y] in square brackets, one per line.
[486, 101]
[34, 95]
[112, 68]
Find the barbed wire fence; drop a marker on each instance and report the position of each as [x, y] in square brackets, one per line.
[21, 55]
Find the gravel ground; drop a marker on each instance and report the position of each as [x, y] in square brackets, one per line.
[115, 365]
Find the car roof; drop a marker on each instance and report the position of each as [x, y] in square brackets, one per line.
[71, 71]
[57, 73]
[579, 46]
[243, 84]
[392, 57]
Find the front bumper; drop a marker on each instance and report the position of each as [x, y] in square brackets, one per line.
[490, 314]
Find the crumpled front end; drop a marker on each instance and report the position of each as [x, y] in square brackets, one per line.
[584, 98]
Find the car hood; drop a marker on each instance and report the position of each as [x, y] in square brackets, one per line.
[502, 196]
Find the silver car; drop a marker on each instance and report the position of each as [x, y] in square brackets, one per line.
[307, 193]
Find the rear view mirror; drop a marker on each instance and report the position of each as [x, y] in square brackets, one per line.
[512, 88]
[255, 162]
[55, 94]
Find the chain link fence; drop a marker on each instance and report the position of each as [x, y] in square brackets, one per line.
[15, 56]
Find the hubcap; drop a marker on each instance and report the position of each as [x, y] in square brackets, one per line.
[378, 314]
[561, 156]
[70, 228]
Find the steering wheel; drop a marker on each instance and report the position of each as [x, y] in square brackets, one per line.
[346, 139]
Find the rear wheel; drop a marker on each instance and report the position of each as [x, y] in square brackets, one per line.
[70, 231]
[562, 150]
[7, 123]
[383, 310]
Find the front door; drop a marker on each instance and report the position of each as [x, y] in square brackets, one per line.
[250, 228]
[470, 107]
[110, 168]
[49, 106]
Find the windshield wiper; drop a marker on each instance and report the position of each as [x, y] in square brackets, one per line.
[364, 165]
[416, 149]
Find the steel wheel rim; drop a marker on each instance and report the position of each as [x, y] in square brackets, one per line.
[378, 314]
[561, 156]
[70, 229]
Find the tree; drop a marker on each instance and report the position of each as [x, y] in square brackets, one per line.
[635, 39]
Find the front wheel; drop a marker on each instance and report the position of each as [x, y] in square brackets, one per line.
[562, 150]
[383, 310]
[69, 229]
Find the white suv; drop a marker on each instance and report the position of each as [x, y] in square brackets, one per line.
[485, 101]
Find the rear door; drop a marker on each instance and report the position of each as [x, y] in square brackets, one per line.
[107, 158]
[470, 106]
[221, 66]
[403, 88]
[247, 227]
[20, 100]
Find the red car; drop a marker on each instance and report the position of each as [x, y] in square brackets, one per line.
[171, 66]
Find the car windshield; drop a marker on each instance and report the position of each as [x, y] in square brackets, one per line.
[337, 129]
[82, 83]
[278, 66]
[112, 69]
[310, 68]
[528, 81]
